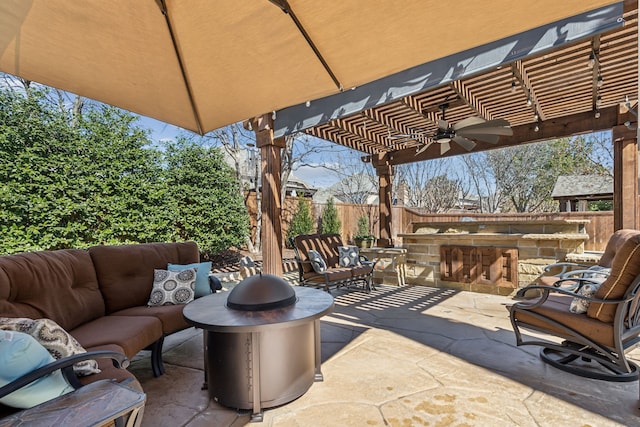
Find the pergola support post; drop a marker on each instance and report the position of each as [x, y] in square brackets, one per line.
[625, 178]
[271, 166]
[385, 199]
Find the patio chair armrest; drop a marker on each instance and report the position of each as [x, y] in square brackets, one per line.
[66, 365]
[564, 267]
[592, 274]
[575, 283]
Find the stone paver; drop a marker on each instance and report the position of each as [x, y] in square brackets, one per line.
[410, 356]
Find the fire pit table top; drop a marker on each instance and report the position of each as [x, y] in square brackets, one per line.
[212, 314]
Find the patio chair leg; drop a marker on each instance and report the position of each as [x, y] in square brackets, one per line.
[562, 361]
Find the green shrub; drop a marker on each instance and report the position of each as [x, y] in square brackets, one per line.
[330, 221]
[302, 221]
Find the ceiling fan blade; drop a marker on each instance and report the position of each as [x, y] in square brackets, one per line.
[443, 124]
[469, 121]
[464, 142]
[490, 138]
[485, 131]
[444, 145]
[424, 147]
[496, 123]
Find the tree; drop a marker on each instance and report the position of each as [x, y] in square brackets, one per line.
[90, 175]
[302, 221]
[481, 178]
[432, 185]
[526, 174]
[206, 204]
[330, 221]
[64, 186]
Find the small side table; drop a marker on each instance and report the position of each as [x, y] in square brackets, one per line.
[95, 404]
[392, 262]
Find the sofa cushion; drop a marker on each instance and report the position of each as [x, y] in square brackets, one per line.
[172, 287]
[317, 262]
[170, 316]
[131, 333]
[624, 269]
[51, 336]
[125, 272]
[202, 276]
[20, 354]
[59, 285]
[349, 256]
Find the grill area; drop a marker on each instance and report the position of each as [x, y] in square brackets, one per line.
[262, 341]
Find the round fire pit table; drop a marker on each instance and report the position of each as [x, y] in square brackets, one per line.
[255, 357]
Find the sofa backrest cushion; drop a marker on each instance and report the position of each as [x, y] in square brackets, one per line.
[58, 285]
[624, 269]
[325, 244]
[125, 272]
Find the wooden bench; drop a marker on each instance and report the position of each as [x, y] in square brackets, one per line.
[334, 276]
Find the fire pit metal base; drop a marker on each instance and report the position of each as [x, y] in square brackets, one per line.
[261, 359]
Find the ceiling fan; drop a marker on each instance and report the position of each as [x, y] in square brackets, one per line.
[462, 133]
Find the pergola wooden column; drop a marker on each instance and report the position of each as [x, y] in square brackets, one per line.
[385, 178]
[270, 155]
[625, 177]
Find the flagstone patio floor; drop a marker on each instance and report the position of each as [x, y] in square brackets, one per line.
[404, 356]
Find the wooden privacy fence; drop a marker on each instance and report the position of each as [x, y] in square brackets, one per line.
[599, 228]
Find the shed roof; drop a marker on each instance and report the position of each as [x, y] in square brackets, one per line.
[583, 186]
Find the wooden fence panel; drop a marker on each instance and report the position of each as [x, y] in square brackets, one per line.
[599, 228]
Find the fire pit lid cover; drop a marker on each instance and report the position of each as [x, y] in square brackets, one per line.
[261, 292]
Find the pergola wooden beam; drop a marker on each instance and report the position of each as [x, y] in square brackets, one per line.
[550, 129]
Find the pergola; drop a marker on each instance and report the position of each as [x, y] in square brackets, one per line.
[554, 90]
[356, 73]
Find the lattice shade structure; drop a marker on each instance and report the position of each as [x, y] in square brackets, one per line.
[578, 88]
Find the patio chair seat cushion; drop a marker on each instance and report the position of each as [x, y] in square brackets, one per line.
[332, 275]
[625, 268]
[556, 308]
[132, 333]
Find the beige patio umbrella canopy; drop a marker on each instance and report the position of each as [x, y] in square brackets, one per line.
[203, 64]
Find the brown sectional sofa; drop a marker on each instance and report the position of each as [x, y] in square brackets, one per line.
[99, 296]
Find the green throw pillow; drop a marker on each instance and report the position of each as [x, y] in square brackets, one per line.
[202, 276]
